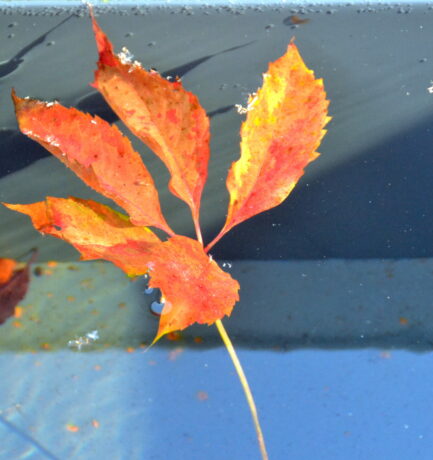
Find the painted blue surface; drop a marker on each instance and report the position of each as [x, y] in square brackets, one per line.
[355, 404]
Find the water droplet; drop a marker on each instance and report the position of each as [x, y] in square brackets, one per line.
[156, 308]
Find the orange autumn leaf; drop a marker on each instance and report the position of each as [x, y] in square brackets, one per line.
[193, 286]
[166, 117]
[283, 129]
[95, 230]
[97, 152]
[7, 267]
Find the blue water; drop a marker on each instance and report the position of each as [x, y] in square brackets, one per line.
[178, 403]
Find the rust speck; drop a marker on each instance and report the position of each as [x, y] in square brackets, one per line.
[72, 428]
[403, 321]
[202, 396]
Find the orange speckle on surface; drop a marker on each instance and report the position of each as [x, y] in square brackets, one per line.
[198, 339]
[97, 367]
[17, 324]
[173, 355]
[94, 312]
[122, 305]
[52, 263]
[95, 423]
[48, 272]
[7, 267]
[50, 294]
[174, 336]
[385, 355]
[87, 283]
[202, 395]
[18, 312]
[296, 20]
[70, 298]
[34, 318]
[45, 346]
[403, 321]
[72, 428]
[130, 349]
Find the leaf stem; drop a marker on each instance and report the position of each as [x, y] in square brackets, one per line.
[245, 386]
[197, 229]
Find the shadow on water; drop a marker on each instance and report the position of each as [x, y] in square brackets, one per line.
[9, 66]
[95, 104]
[19, 151]
[378, 204]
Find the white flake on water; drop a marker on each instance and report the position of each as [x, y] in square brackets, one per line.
[82, 341]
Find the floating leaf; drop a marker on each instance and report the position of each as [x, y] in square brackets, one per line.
[283, 129]
[97, 152]
[193, 286]
[95, 230]
[168, 119]
[14, 289]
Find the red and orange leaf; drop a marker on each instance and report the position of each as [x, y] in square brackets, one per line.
[95, 230]
[14, 289]
[97, 152]
[7, 267]
[283, 129]
[194, 287]
[168, 119]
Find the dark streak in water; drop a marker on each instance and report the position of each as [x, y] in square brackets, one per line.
[21, 151]
[7, 67]
[27, 438]
[183, 69]
[24, 151]
[95, 104]
[219, 111]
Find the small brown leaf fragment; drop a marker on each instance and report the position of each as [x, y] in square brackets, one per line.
[296, 20]
[14, 290]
